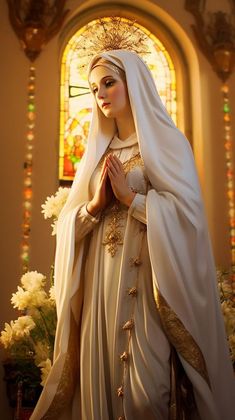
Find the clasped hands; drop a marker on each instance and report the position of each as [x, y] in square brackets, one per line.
[112, 182]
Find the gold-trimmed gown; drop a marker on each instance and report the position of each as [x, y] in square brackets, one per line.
[124, 356]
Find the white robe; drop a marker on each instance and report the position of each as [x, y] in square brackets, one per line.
[107, 306]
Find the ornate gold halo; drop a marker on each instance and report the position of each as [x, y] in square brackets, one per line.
[113, 33]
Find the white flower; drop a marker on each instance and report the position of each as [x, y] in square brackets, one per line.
[50, 207]
[34, 332]
[33, 280]
[20, 299]
[62, 194]
[23, 325]
[39, 298]
[45, 367]
[7, 335]
[24, 299]
[54, 204]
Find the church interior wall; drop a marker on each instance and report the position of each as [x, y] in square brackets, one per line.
[207, 122]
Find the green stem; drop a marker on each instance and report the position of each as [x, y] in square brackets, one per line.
[49, 337]
[39, 328]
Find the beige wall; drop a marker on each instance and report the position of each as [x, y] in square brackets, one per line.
[14, 71]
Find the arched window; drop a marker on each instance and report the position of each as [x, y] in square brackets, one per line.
[76, 100]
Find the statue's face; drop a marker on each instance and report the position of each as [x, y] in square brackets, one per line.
[110, 92]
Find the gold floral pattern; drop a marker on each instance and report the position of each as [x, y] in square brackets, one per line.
[179, 337]
[131, 163]
[116, 213]
[113, 235]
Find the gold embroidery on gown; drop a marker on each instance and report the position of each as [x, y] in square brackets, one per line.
[113, 235]
[179, 337]
[68, 378]
[131, 163]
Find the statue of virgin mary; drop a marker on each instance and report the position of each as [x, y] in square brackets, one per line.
[140, 331]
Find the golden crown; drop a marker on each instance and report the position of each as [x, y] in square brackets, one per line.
[111, 33]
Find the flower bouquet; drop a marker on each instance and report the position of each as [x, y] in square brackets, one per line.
[30, 338]
[29, 342]
[32, 334]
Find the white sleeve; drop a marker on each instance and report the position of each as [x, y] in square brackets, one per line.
[137, 208]
[84, 222]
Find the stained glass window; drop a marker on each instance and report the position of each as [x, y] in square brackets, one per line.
[76, 100]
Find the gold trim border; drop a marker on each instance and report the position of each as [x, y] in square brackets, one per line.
[179, 337]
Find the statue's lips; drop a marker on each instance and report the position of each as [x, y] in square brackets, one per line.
[105, 104]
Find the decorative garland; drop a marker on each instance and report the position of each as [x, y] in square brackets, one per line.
[28, 171]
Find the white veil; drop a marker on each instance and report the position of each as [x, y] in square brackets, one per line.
[180, 253]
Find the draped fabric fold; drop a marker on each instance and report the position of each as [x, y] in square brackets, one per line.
[183, 271]
[179, 337]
